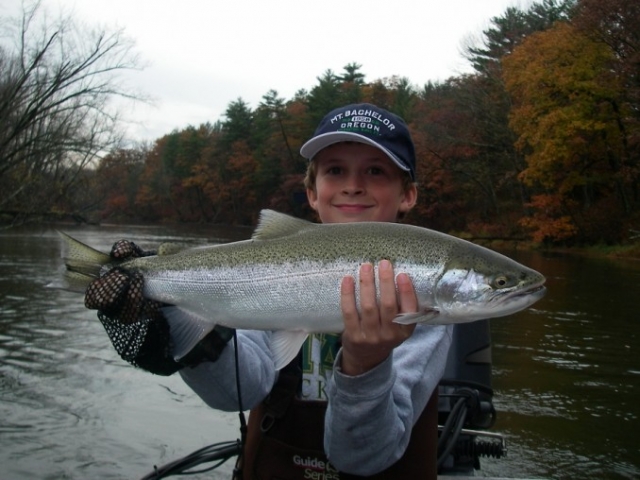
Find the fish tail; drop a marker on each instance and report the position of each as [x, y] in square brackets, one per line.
[83, 264]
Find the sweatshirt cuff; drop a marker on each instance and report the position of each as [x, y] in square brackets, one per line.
[377, 381]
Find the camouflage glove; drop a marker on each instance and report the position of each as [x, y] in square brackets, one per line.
[136, 326]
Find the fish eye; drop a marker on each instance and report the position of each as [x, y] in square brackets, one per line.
[501, 281]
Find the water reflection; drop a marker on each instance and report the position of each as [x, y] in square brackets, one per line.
[564, 380]
[69, 407]
[566, 374]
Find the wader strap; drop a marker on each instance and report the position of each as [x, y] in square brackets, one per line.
[284, 391]
[263, 417]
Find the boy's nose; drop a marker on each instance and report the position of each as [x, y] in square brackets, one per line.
[353, 185]
[352, 190]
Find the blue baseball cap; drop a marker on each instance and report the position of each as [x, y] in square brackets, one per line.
[368, 124]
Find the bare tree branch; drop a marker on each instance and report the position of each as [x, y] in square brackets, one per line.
[58, 84]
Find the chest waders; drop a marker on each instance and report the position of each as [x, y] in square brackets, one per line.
[285, 439]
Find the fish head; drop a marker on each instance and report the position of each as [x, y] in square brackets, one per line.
[486, 284]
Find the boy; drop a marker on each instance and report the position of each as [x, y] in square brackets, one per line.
[359, 404]
[362, 168]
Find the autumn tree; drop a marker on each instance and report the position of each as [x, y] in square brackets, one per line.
[441, 201]
[567, 115]
[464, 122]
[205, 177]
[191, 158]
[280, 127]
[616, 23]
[116, 181]
[152, 199]
[508, 30]
[461, 157]
[241, 197]
[58, 81]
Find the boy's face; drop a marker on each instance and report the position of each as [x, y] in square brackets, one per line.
[356, 183]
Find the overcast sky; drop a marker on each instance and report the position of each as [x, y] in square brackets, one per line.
[204, 54]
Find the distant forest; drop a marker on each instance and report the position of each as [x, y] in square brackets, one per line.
[540, 142]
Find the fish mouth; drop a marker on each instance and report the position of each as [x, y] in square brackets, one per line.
[535, 292]
[515, 301]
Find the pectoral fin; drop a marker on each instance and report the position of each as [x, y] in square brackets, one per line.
[187, 329]
[426, 315]
[285, 345]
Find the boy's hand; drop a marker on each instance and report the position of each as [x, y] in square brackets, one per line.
[136, 325]
[370, 335]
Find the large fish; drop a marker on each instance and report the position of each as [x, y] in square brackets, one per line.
[286, 278]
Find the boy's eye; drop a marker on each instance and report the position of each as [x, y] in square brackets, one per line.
[334, 170]
[376, 171]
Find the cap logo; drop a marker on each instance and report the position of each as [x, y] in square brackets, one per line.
[362, 120]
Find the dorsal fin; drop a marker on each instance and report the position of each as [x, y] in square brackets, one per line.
[274, 224]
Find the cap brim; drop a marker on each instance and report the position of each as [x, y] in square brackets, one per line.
[313, 146]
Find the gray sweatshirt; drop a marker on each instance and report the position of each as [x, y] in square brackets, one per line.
[369, 417]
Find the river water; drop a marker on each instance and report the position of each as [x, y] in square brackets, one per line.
[566, 374]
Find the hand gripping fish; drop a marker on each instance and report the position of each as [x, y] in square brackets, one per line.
[287, 277]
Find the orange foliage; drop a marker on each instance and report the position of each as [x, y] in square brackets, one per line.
[551, 221]
[116, 181]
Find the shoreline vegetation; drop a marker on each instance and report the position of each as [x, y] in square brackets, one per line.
[626, 251]
[615, 252]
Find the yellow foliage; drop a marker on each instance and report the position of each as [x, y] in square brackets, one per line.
[562, 106]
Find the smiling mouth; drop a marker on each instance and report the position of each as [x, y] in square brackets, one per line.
[352, 207]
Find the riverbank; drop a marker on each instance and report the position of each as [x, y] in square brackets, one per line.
[616, 252]
[630, 251]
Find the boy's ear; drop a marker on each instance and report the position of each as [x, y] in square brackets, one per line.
[312, 198]
[410, 198]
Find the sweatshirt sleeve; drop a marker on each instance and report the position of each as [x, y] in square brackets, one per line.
[215, 382]
[369, 417]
